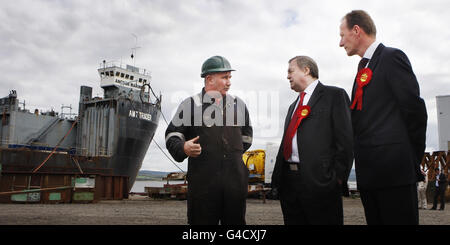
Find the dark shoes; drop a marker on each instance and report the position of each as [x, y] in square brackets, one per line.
[433, 208]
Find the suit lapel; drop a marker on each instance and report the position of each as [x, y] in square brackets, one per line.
[318, 91]
[353, 90]
[312, 101]
[315, 97]
[372, 65]
[376, 57]
[289, 114]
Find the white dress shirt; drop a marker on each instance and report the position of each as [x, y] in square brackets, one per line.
[370, 50]
[309, 91]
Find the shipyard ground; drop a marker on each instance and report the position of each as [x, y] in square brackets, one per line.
[139, 210]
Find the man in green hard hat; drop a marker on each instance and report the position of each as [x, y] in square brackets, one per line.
[212, 129]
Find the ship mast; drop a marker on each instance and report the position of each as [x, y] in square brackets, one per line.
[133, 50]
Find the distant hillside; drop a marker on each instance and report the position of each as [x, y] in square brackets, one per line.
[151, 175]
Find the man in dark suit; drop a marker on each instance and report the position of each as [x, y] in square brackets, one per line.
[315, 155]
[441, 187]
[389, 124]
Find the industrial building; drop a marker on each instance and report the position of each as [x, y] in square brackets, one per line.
[443, 114]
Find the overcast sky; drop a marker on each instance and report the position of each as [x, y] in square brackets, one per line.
[50, 48]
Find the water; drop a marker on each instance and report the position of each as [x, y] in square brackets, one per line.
[139, 185]
[352, 185]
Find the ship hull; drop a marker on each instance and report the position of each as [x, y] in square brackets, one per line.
[111, 137]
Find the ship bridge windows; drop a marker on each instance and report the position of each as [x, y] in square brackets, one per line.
[119, 74]
[107, 73]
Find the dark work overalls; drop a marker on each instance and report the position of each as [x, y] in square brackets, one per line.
[218, 178]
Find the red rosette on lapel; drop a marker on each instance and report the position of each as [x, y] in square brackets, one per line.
[303, 113]
[362, 79]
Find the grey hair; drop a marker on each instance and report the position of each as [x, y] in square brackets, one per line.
[305, 61]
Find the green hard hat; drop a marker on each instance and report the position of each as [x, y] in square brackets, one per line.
[215, 64]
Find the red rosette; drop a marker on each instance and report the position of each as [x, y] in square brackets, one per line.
[305, 111]
[362, 79]
[364, 76]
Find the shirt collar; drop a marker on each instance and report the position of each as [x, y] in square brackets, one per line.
[369, 52]
[310, 89]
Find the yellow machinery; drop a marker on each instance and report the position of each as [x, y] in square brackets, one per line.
[254, 160]
[260, 164]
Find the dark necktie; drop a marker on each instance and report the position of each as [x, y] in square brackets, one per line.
[362, 63]
[291, 130]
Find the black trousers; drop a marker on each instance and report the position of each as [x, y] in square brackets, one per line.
[216, 201]
[393, 206]
[300, 208]
[215, 212]
[439, 192]
[295, 212]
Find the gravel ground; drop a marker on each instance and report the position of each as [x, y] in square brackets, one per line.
[138, 210]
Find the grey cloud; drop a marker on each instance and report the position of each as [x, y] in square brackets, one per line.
[50, 48]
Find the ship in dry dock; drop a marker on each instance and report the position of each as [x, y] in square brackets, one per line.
[104, 144]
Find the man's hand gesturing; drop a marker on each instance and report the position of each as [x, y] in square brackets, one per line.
[192, 148]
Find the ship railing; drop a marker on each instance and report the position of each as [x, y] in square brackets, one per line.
[12, 142]
[6, 142]
[35, 146]
[102, 152]
[119, 64]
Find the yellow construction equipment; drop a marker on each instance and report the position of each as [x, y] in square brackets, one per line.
[254, 160]
[260, 163]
